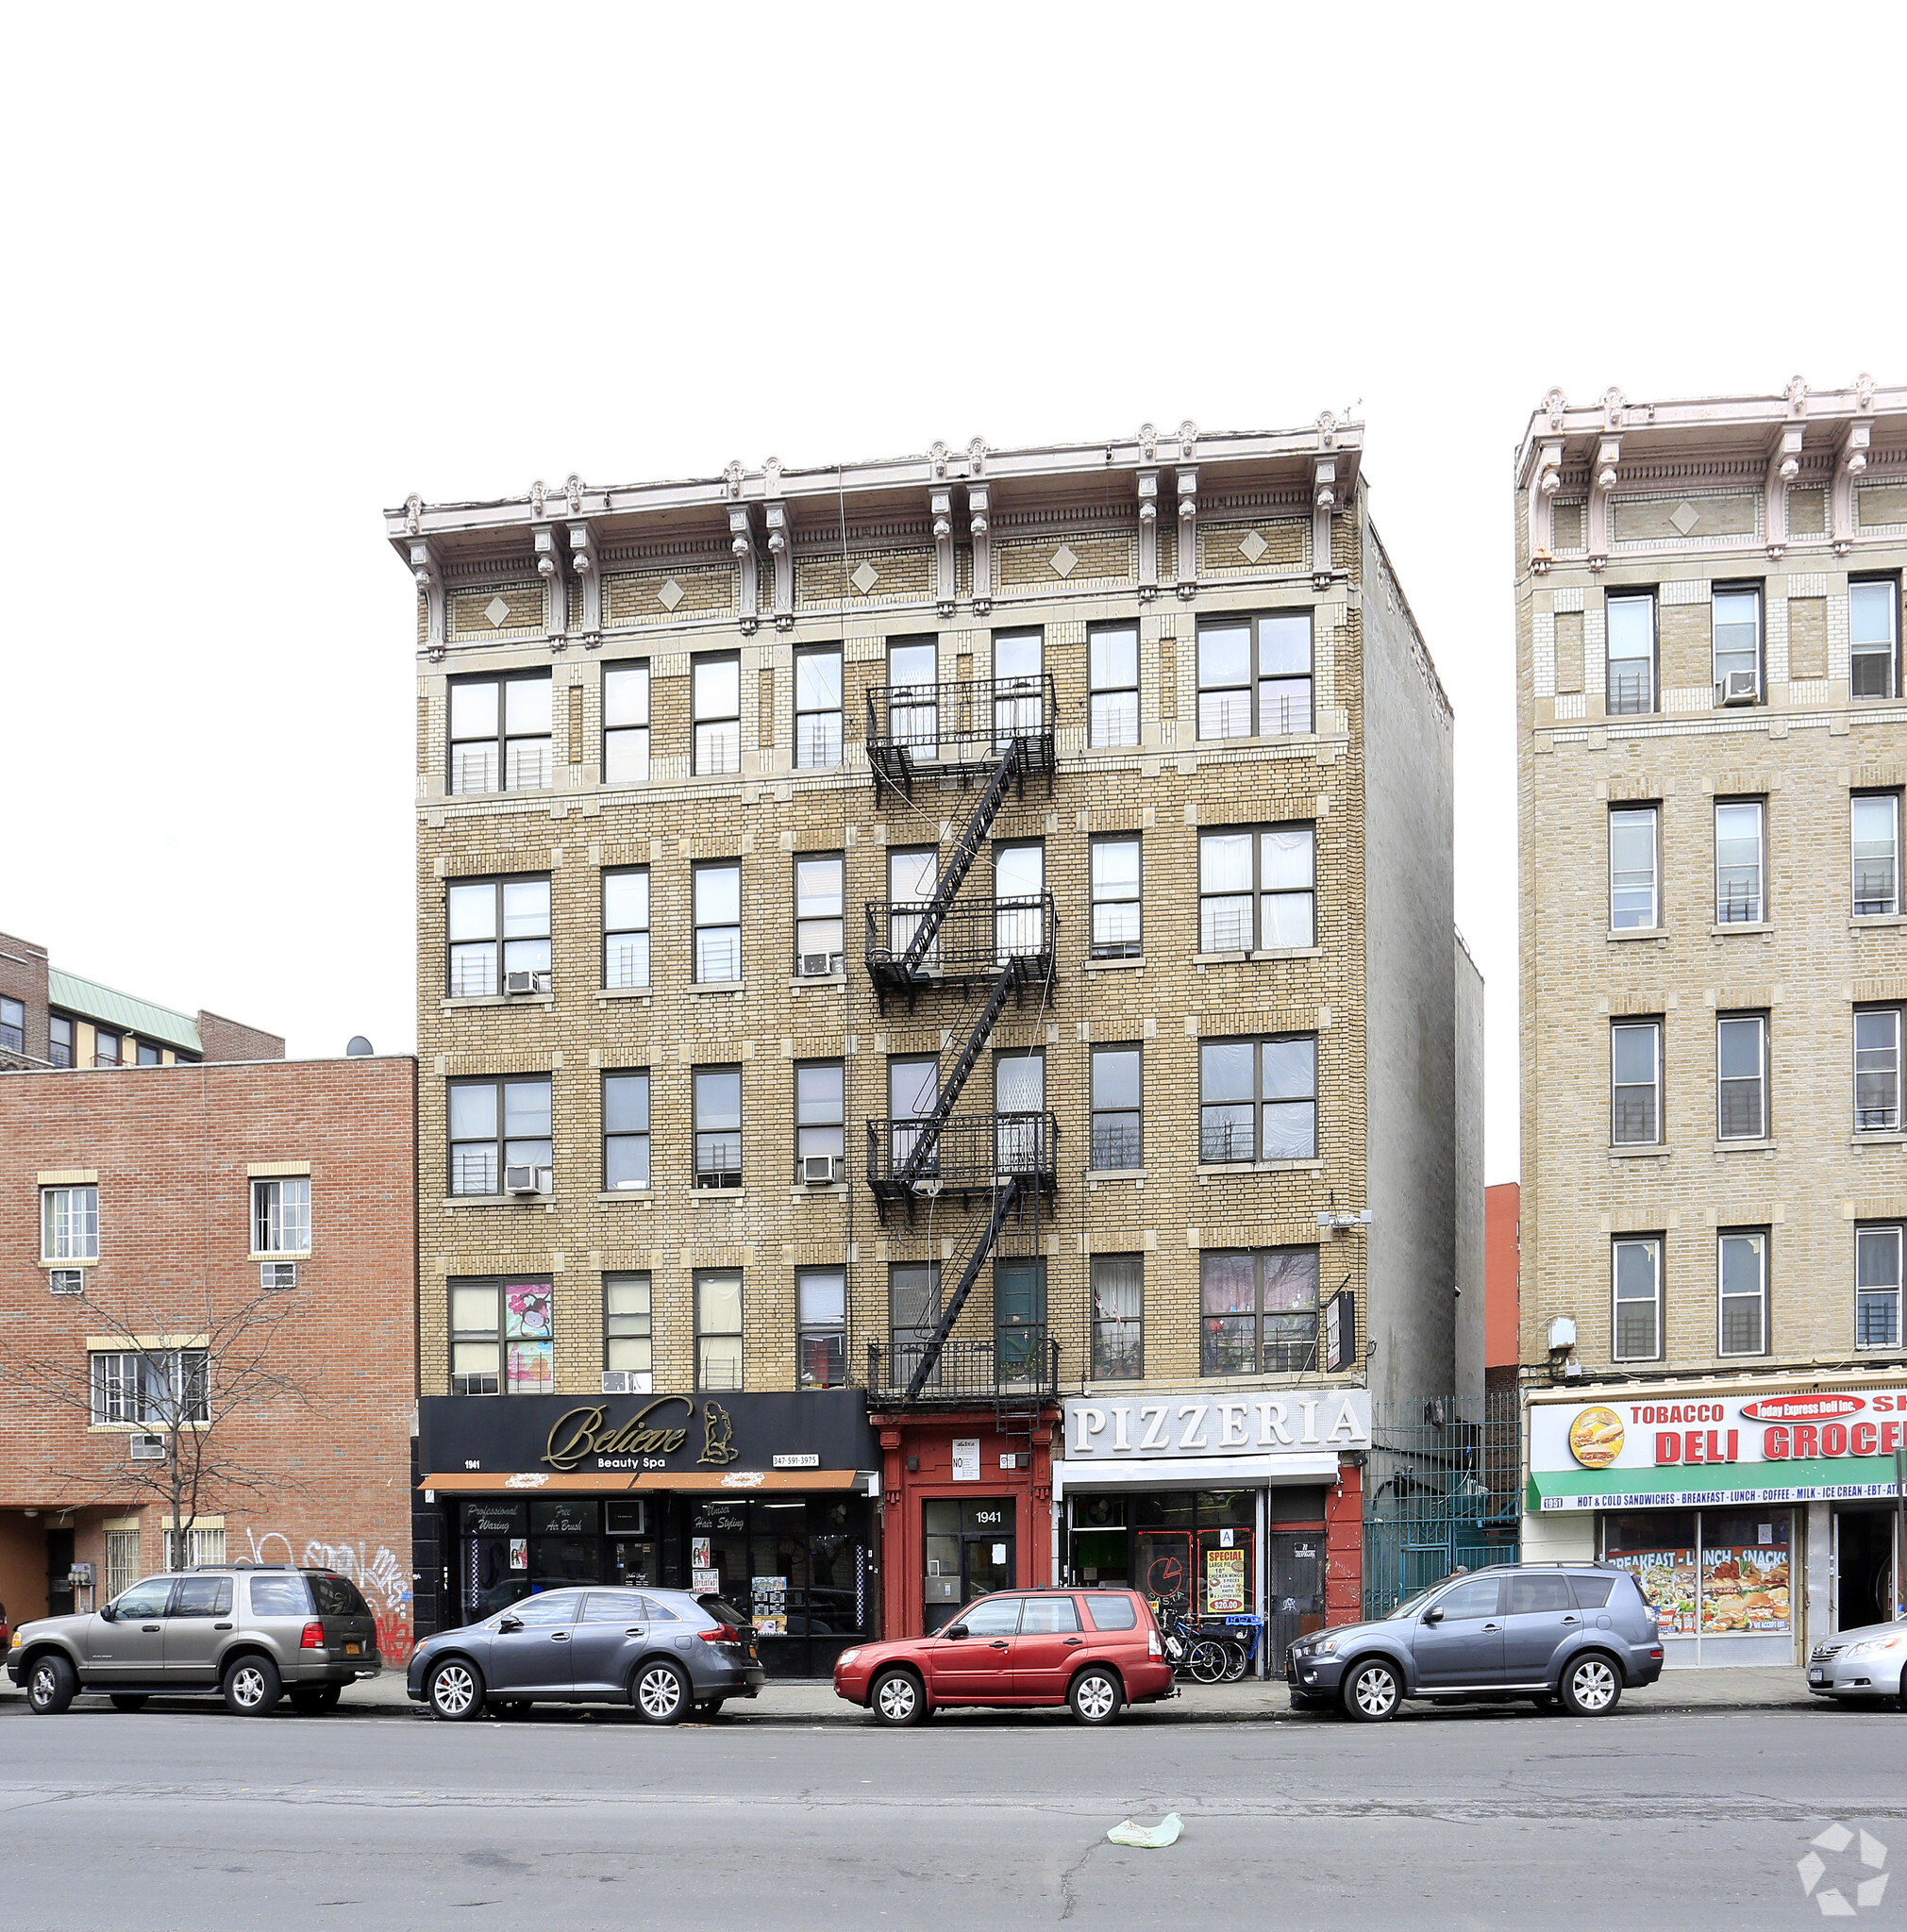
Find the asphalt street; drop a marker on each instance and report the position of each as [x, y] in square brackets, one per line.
[186, 1817]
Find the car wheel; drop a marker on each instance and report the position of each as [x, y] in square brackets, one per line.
[896, 1698]
[252, 1687]
[661, 1694]
[454, 1691]
[314, 1700]
[129, 1700]
[1371, 1691]
[51, 1685]
[1096, 1696]
[1592, 1685]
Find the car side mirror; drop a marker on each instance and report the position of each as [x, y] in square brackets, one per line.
[1433, 1616]
[511, 1623]
[108, 1614]
[955, 1630]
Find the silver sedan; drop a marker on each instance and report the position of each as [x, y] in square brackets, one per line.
[1861, 1663]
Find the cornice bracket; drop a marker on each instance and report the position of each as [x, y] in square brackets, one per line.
[1148, 523]
[1601, 486]
[782, 554]
[1324, 498]
[1544, 481]
[548, 540]
[979, 527]
[426, 570]
[1186, 477]
[940, 506]
[1784, 465]
[748, 565]
[1851, 463]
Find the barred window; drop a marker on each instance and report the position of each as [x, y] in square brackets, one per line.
[625, 926]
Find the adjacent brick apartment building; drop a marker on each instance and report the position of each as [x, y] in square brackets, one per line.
[142, 1213]
[1712, 755]
[904, 944]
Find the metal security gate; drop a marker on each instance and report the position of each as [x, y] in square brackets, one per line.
[1442, 1491]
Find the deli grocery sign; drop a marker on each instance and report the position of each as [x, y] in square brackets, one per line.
[1797, 1446]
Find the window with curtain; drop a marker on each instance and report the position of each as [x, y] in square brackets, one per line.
[1118, 1288]
[718, 1328]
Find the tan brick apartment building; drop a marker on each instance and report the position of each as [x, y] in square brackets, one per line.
[143, 1211]
[1711, 749]
[904, 944]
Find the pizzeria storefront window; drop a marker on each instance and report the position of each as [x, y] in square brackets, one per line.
[1710, 1572]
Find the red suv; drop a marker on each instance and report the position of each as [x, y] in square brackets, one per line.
[1092, 1649]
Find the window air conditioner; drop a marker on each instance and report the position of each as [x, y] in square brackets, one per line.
[66, 1280]
[1738, 687]
[816, 965]
[627, 1382]
[817, 1170]
[146, 1448]
[528, 1180]
[523, 982]
[276, 1274]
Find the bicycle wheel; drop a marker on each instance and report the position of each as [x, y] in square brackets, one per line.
[1236, 1662]
[1208, 1660]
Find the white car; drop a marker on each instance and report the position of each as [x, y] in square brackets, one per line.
[1861, 1663]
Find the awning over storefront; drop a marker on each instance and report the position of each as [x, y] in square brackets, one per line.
[731, 1481]
[1825, 1479]
[740, 1481]
[1194, 1473]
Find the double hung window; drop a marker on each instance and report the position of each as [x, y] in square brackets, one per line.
[821, 1327]
[914, 1314]
[1258, 1099]
[60, 1040]
[1740, 869]
[1631, 653]
[1117, 930]
[1635, 1082]
[1735, 631]
[1742, 1077]
[1255, 675]
[1876, 827]
[1258, 1311]
[69, 1223]
[717, 698]
[820, 1116]
[718, 923]
[628, 1337]
[500, 733]
[1019, 901]
[1118, 1285]
[718, 1328]
[718, 1127]
[146, 1054]
[151, 1388]
[1635, 1266]
[12, 1025]
[108, 1049]
[1742, 1292]
[1634, 901]
[912, 1093]
[1874, 637]
[1877, 1070]
[500, 1337]
[1019, 688]
[626, 723]
[496, 1124]
[914, 694]
[495, 927]
[625, 1132]
[281, 1216]
[625, 926]
[818, 894]
[1112, 672]
[818, 707]
[1877, 1287]
[911, 876]
[1118, 1138]
[1255, 890]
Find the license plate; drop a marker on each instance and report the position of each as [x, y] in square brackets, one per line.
[1817, 1676]
[352, 1649]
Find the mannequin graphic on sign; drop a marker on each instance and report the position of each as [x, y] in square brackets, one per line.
[718, 1436]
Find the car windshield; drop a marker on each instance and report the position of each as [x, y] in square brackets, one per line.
[1412, 1605]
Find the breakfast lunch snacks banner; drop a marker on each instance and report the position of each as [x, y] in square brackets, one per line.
[1736, 1588]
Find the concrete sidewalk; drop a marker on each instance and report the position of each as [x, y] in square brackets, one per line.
[814, 1703]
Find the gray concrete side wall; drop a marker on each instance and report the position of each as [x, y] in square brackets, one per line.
[1409, 990]
[1469, 1173]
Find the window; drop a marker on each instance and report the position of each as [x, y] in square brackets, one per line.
[1741, 1278]
[106, 1049]
[1632, 869]
[1118, 1134]
[148, 1055]
[1738, 868]
[717, 697]
[281, 1216]
[1117, 928]
[495, 925]
[718, 1328]
[1877, 1070]
[1631, 654]
[913, 1094]
[718, 1127]
[1019, 1319]
[1527, 1595]
[914, 1314]
[1112, 672]
[910, 878]
[914, 694]
[123, 1566]
[495, 1124]
[12, 1025]
[1019, 688]
[821, 1339]
[625, 1132]
[500, 1338]
[1258, 1099]
[1877, 854]
[820, 1114]
[60, 1040]
[204, 1597]
[1255, 889]
[818, 890]
[154, 1388]
[69, 1223]
[1634, 1082]
[817, 708]
[1019, 1110]
[718, 923]
[626, 723]
[1119, 1317]
[499, 733]
[199, 1544]
[1736, 628]
[1877, 1287]
[1019, 902]
[1873, 637]
[1258, 1311]
[628, 1339]
[1636, 1266]
[1254, 675]
[626, 927]
[1741, 1078]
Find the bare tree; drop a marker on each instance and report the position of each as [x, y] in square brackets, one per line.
[182, 1393]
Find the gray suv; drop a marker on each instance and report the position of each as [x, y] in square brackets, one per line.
[1573, 1633]
[250, 1633]
[666, 1651]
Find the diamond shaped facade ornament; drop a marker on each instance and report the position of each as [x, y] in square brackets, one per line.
[1253, 546]
[1064, 562]
[864, 578]
[498, 611]
[670, 595]
[1684, 517]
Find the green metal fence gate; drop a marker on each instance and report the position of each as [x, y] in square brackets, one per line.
[1442, 1491]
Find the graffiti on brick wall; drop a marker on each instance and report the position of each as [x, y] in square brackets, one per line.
[381, 1579]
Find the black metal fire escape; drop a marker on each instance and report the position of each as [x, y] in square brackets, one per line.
[995, 734]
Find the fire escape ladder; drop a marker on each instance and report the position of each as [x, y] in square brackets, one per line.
[985, 1230]
[966, 848]
[922, 1155]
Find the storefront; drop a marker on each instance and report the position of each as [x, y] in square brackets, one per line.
[1219, 1505]
[770, 1500]
[1759, 1521]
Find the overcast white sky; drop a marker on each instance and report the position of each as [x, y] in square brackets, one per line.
[271, 269]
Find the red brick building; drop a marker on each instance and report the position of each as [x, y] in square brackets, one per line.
[218, 1258]
[1502, 1281]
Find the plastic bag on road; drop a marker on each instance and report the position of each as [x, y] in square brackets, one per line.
[1149, 1836]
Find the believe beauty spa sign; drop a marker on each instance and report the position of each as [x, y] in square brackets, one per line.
[1674, 1448]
